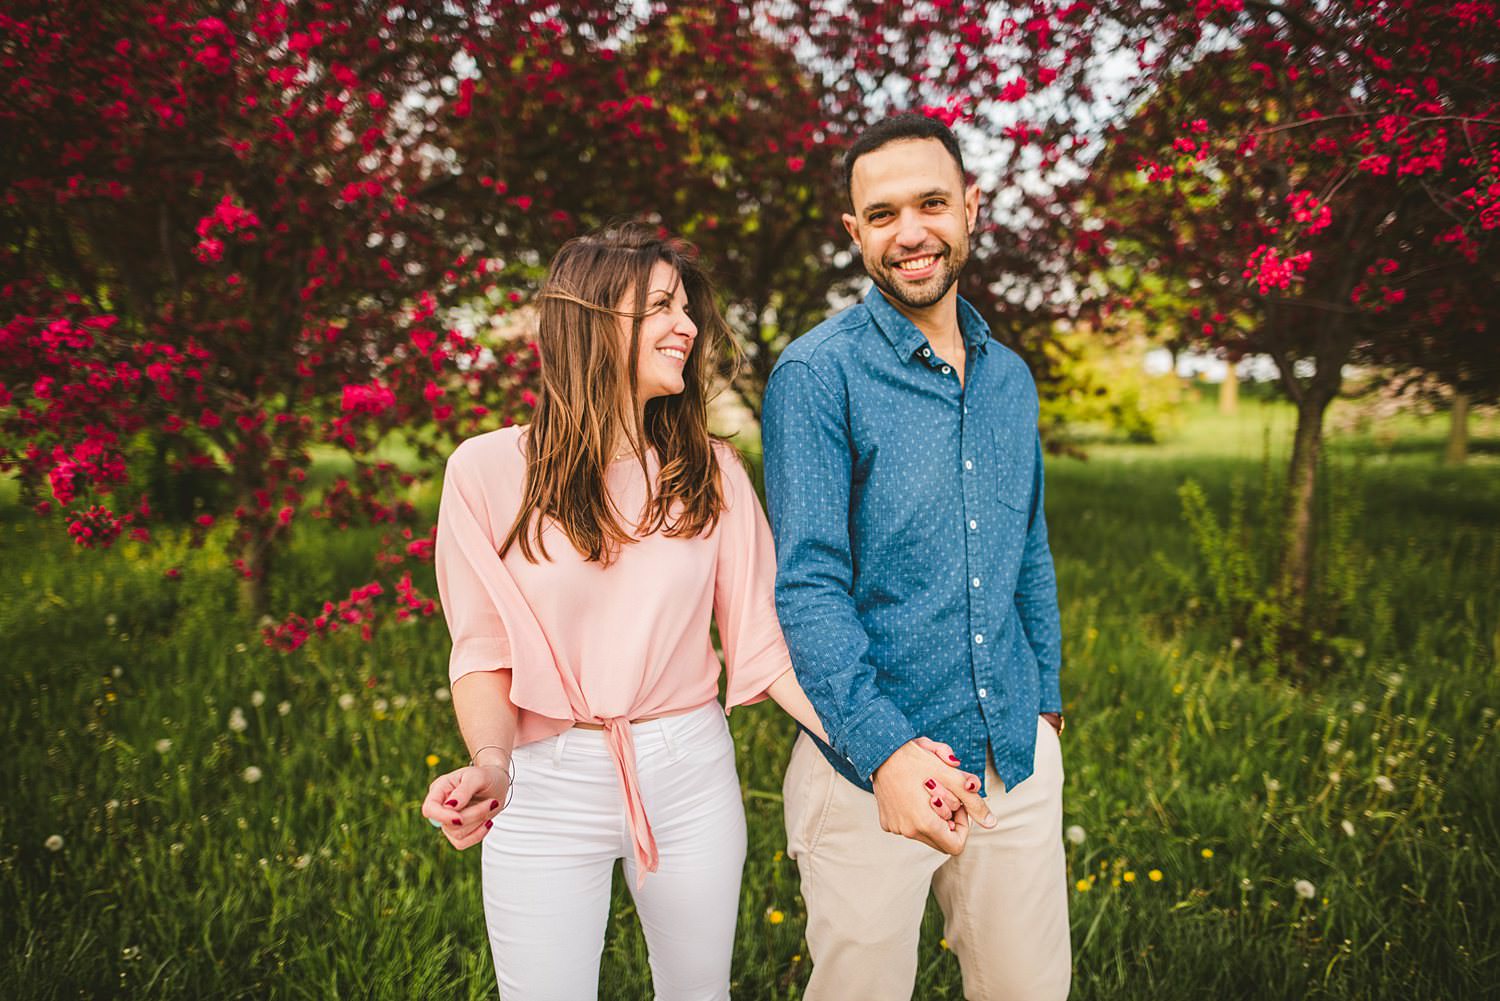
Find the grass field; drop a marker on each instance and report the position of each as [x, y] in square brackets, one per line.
[189, 815]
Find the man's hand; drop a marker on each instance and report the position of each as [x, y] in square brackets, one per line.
[1055, 719]
[906, 786]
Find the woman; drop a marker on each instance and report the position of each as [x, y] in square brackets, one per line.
[579, 560]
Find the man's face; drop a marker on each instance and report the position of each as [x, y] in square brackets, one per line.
[912, 219]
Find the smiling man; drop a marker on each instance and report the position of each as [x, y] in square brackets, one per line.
[916, 591]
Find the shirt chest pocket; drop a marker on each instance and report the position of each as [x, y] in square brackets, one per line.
[1015, 467]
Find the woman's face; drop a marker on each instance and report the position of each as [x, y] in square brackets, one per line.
[667, 334]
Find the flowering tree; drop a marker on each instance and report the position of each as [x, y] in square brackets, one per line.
[222, 252]
[727, 122]
[1324, 181]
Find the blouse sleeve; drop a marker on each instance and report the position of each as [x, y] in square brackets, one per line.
[464, 545]
[755, 653]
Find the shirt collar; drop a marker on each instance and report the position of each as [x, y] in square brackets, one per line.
[907, 340]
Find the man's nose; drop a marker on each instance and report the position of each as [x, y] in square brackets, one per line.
[912, 233]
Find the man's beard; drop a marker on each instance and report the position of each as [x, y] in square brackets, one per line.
[926, 293]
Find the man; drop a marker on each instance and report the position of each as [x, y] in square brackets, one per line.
[916, 591]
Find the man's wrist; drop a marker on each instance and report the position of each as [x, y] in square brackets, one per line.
[1055, 719]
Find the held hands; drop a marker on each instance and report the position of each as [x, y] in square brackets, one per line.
[922, 795]
[464, 802]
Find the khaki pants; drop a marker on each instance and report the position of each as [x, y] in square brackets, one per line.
[1004, 899]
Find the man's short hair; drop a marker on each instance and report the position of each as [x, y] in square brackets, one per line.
[896, 128]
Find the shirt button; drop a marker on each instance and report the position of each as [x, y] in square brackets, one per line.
[947, 369]
[927, 352]
[984, 693]
[973, 525]
[979, 637]
[975, 582]
[966, 408]
[968, 463]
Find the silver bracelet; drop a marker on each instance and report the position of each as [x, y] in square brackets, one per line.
[510, 771]
[486, 747]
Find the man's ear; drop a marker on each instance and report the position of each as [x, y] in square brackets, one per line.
[851, 226]
[971, 205]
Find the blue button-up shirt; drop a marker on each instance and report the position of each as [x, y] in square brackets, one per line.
[915, 586]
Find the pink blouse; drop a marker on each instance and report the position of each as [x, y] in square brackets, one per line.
[585, 643]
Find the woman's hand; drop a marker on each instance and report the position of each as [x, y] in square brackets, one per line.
[944, 803]
[464, 802]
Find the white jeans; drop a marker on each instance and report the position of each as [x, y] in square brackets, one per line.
[549, 859]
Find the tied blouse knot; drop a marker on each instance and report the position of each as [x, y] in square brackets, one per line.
[591, 644]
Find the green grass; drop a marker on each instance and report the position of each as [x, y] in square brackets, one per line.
[177, 878]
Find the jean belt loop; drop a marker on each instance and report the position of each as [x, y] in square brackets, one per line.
[558, 746]
[667, 738]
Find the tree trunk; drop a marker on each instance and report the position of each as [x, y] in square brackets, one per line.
[1302, 486]
[1457, 451]
[255, 589]
[1229, 392]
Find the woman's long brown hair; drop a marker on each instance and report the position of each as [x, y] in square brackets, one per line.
[587, 411]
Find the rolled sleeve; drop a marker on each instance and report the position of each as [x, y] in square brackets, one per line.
[480, 640]
[755, 652]
[808, 484]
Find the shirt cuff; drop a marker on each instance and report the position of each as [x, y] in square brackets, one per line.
[478, 653]
[873, 736]
[1051, 693]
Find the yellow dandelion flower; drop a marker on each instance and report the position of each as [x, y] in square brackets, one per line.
[1154, 875]
[109, 696]
[1082, 886]
[797, 957]
[1207, 853]
[942, 943]
[1178, 688]
[432, 759]
[775, 917]
[778, 856]
[1128, 877]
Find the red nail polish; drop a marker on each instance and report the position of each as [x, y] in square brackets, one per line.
[457, 822]
[938, 803]
[452, 803]
[488, 824]
[953, 759]
[931, 784]
[494, 804]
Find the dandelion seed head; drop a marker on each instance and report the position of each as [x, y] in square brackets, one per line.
[54, 843]
[163, 745]
[442, 695]
[381, 705]
[257, 698]
[1384, 784]
[1333, 746]
[302, 862]
[1075, 834]
[237, 722]
[1357, 707]
[1347, 826]
[251, 774]
[399, 701]
[283, 707]
[346, 702]
[1305, 889]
